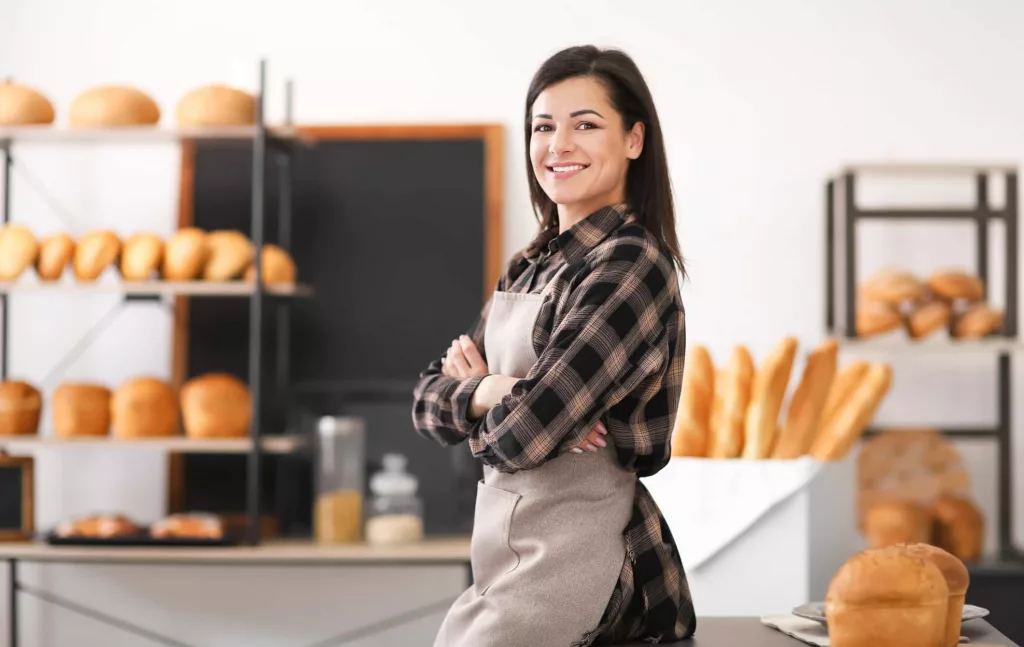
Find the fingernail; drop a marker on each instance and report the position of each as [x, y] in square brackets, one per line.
[577, 450]
[600, 442]
[601, 428]
[590, 448]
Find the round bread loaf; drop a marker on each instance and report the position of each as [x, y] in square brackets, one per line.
[81, 410]
[144, 407]
[887, 596]
[98, 526]
[55, 252]
[185, 253]
[957, 579]
[18, 251]
[230, 253]
[216, 405]
[113, 106]
[191, 525]
[141, 256]
[959, 527]
[876, 317]
[21, 105]
[954, 285]
[20, 407]
[278, 267]
[978, 321]
[216, 105]
[928, 319]
[896, 522]
[894, 287]
[94, 253]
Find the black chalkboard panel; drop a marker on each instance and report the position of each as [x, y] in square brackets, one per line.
[17, 498]
[390, 234]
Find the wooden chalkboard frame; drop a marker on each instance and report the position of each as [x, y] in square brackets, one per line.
[491, 136]
[27, 465]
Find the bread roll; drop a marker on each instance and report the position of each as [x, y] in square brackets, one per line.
[18, 250]
[887, 596]
[278, 267]
[846, 380]
[875, 318]
[230, 253]
[141, 256]
[957, 580]
[928, 318]
[81, 410]
[216, 405]
[55, 252]
[978, 321]
[188, 526]
[893, 287]
[735, 386]
[94, 253]
[144, 407]
[185, 253]
[20, 407]
[959, 527]
[838, 435]
[896, 522]
[98, 526]
[769, 388]
[803, 418]
[216, 105]
[21, 105]
[112, 106]
[956, 285]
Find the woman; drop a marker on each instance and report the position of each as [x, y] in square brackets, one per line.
[567, 385]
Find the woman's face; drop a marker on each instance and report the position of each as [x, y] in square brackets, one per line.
[579, 147]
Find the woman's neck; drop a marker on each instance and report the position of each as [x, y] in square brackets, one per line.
[569, 215]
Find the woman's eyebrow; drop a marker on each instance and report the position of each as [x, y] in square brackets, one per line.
[585, 111]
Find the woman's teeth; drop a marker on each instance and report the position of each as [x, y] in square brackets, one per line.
[567, 169]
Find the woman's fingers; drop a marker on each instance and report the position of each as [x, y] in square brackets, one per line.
[593, 440]
[472, 355]
[457, 360]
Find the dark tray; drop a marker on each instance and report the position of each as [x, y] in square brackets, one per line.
[141, 539]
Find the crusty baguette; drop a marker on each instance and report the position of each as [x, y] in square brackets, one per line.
[770, 381]
[715, 419]
[690, 435]
[733, 390]
[803, 418]
[855, 414]
[847, 379]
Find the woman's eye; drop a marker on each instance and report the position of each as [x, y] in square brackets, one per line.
[586, 125]
[541, 128]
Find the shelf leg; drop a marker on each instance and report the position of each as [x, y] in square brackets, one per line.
[849, 252]
[1005, 456]
[12, 591]
[5, 303]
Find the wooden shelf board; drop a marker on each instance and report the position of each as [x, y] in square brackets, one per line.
[50, 133]
[270, 444]
[154, 288]
[933, 346]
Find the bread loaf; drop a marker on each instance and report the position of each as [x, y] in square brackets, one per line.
[735, 387]
[188, 526]
[896, 522]
[20, 407]
[94, 253]
[978, 321]
[957, 580]
[846, 380]
[690, 436]
[216, 405]
[959, 527]
[838, 435]
[278, 267]
[55, 252]
[141, 256]
[21, 105]
[887, 596]
[18, 250]
[876, 318]
[803, 418]
[955, 285]
[98, 526]
[144, 407]
[230, 253]
[769, 388]
[928, 319]
[894, 287]
[81, 410]
[112, 106]
[185, 253]
[216, 105]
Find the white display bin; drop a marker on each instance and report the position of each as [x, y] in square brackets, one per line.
[759, 536]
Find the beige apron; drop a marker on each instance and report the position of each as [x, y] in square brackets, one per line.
[547, 545]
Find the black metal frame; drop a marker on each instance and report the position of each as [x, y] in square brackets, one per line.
[842, 216]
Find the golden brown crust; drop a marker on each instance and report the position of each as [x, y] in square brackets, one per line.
[959, 527]
[896, 522]
[144, 407]
[978, 321]
[94, 253]
[18, 250]
[894, 287]
[141, 257]
[230, 253]
[216, 405]
[278, 267]
[188, 526]
[55, 253]
[839, 434]
[803, 418]
[21, 105]
[769, 388]
[952, 568]
[21, 405]
[81, 409]
[690, 436]
[956, 284]
[185, 253]
[928, 318]
[875, 318]
[735, 387]
[216, 105]
[98, 526]
[112, 106]
[846, 381]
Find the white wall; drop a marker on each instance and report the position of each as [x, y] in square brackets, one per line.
[758, 100]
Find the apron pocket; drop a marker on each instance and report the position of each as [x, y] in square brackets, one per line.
[490, 549]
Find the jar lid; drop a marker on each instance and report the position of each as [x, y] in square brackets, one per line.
[393, 480]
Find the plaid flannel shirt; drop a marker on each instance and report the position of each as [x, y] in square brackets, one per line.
[611, 343]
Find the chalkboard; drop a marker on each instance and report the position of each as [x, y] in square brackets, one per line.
[396, 236]
[17, 498]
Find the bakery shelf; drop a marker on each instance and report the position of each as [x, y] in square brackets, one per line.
[157, 288]
[936, 346]
[136, 134]
[269, 444]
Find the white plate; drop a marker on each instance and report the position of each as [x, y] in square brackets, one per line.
[816, 611]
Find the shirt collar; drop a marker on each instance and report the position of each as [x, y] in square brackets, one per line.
[579, 239]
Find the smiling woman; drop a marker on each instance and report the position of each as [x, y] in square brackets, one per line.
[566, 387]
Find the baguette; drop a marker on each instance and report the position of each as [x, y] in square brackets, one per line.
[767, 393]
[803, 419]
[690, 435]
[854, 415]
[733, 391]
[843, 385]
[715, 419]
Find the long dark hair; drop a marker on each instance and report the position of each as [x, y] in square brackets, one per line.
[648, 187]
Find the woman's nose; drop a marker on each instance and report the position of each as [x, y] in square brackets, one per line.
[561, 142]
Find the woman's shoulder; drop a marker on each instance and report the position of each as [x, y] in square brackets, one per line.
[633, 248]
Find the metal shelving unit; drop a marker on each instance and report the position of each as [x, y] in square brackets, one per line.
[842, 217]
[268, 144]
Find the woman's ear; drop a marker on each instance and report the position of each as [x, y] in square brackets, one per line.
[635, 141]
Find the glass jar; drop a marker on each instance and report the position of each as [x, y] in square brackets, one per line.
[396, 512]
[338, 513]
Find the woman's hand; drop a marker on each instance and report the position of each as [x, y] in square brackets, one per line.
[593, 440]
[463, 359]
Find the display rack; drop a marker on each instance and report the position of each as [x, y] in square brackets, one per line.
[267, 143]
[842, 218]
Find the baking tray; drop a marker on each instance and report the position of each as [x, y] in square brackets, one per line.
[142, 540]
